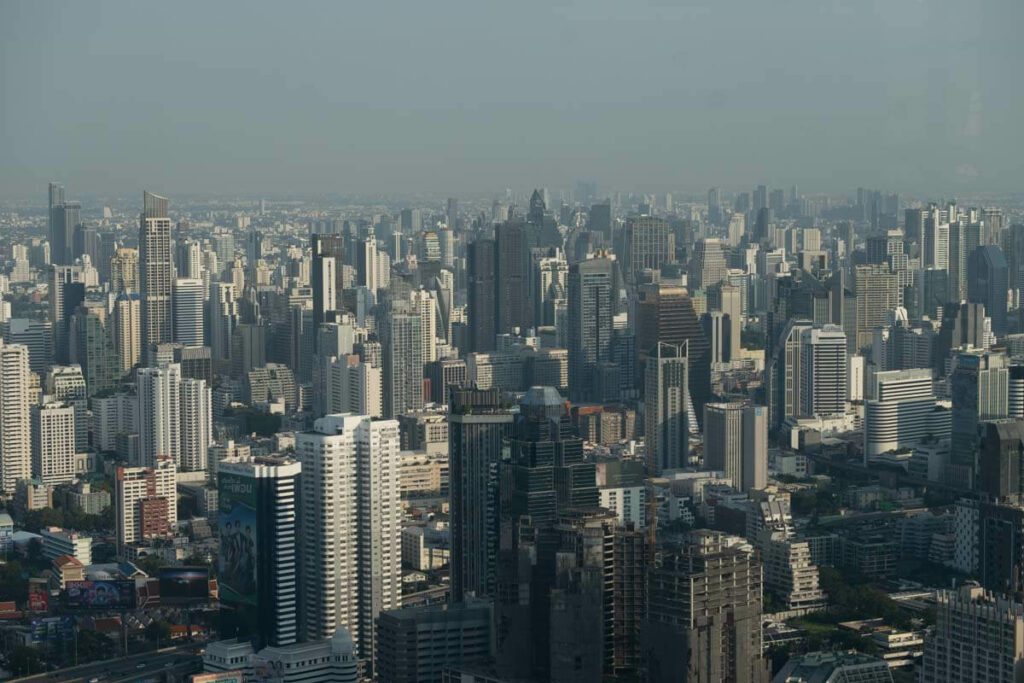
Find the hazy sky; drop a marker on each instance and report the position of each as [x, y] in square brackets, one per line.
[261, 97]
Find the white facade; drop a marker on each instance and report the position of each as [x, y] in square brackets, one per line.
[899, 414]
[355, 387]
[113, 415]
[350, 525]
[159, 414]
[189, 302]
[132, 485]
[629, 503]
[53, 443]
[15, 426]
[196, 424]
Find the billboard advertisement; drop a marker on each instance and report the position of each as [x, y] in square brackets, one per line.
[101, 594]
[38, 596]
[184, 584]
[52, 629]
[237, 522]
[220, 677]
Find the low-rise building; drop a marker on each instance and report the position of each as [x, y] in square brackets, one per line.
[57, 542]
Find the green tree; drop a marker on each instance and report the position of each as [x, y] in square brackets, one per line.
[25, 661]
[13, 582]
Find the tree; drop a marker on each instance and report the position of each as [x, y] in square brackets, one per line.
[159, 631]
[25, 661]
[13, 582]
[151, 564]
[93, 646]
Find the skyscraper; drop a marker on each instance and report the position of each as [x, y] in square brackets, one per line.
[159, 414]
[649, 244]
[666, 408]
[128, 330]
[350, 526]
[325, 274]
[979, 385]
[707, 266]
[736, 442]
[877, 294]
[189, 301]
[223, 315]
[156, 272]
[988, 282]
[823, 372]
[196, 430]
[403, 362]
[15, 426]
[146, 502]
[704, 612]
[591, 306]
[477, 426]
[899, 413]
[512, 246]
[481, 283]
[53, 443]
[124, 271]
[258, 549]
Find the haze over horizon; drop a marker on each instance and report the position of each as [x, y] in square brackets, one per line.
[465, 97]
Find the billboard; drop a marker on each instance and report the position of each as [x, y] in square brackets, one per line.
[52, 629]
[184, 584]
[105, 594]
[219, 677]
[238, 544]
[38, 596]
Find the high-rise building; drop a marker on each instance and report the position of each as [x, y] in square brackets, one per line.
[591, 308]
[189, 302]
[325, 274]
[124, 271]
[350, 526]
[649, 244]
[979, 385]
[92, 347]
[878, 293]
[477, 426]
[736, 442]
[978, 636]
[258, 572]
[1000, 460]
[146, 502]
[512, 252]
[156, 271]
[36, 336]
[417, 644]
[964, 238]
[988, 283]
[899, 412]
[67, 383]
[223, 315]
[53, 443]
[196, 430]
[159, 391]
[704, 612]
[128, 330]
[666, 408]
[15, 425]
[729, 300]
[708, 266]
[823, 372]
[481, 290]
[424, 304]
[402, 339]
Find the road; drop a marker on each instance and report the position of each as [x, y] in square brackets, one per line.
[177, 661]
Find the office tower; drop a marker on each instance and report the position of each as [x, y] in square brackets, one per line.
[899, 412]
[964, 238]
[128, 330]
[196, 429]
[979, 385]
[56, 201]
[544, 479]
[935, 242]
[15, 425]
[92, 347]
[716, 327]
[823, 372]
[53, 443]
[783, 373]
[159, 392]
[36, 336]
[350, 526]
[591, 307]
[223, 315]
[729, 300]
[666, 408]
[649, 244]
[411, 221]
[978, 636]
[551, 278]
[666, 314]
[124, 271]
[188, 312]
[64, 217]
[600, 219]
[481, 290]
[196, 362]
[401, 337]
[512, 276]
[66, 292]
[708, 265]
[258, 549]
[715, 206]
[988, 282]
[418, 644]
[424, 304]
[1000, 460]
[146, 502]
[445, 373]
[736, 442]
[877, 294]
[325, 273]
[760, 198]
[477, 426]
[704, 612]
[963, 324]
[1013, 249]
[156, 271]
[67, 384]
